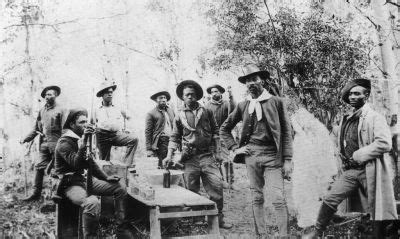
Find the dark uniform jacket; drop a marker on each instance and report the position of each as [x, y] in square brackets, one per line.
[49, 122]
[274, 111]
[155, 122]
[71, 159]
[221, 111]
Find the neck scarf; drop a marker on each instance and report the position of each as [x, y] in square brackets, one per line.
[216, 102]
[255, 103]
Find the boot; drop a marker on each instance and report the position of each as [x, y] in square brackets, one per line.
[37, 186]
[324, 217]
[222, 223]
[90, 226]
[122, 231]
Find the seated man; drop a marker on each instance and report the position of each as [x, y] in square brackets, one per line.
[109, 121]
[70, 163]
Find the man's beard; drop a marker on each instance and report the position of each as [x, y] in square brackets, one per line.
[162, 105]
[216, 97]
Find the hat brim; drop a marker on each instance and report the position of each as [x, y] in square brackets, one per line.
[197, 87]
[220, 88]
[351, 84]
[166, 93]
[101, 92]
[71, 115]
[265, 74]
[53, 87]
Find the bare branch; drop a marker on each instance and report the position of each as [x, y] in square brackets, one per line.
[393, 3]
[54, 25]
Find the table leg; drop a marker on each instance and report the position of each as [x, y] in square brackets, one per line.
[155, 227]
[213, 227]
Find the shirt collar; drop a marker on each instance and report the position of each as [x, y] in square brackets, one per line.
[102, 106]
[48, 107]
[70, 133]
[186, 108]
[166, 108]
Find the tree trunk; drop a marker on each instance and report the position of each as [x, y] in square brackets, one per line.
[382, 19]
[3, 121]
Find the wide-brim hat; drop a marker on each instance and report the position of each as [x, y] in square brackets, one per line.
[71, 115]
[220, 88]
[166, 93]
[252, 70]
[52, 87]
[356, 82]
[105, 86]
[197, 88]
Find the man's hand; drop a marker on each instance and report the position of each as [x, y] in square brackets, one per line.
[88, 131]
[167, 161]
[287, 169]
[21, 141]
[113, 179]
[243, 150]
[150, 153]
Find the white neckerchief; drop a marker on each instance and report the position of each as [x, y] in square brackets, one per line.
[255, 103]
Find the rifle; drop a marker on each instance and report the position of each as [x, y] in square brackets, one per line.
[89, 153]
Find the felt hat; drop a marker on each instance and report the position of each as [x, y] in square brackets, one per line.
[197, 88]
[52, 87]
[71, 116]
[220, 88]
[252, 70]
[163, 92]
[356, 82]
[105, 85]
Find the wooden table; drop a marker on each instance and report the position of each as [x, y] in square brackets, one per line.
[179, 197]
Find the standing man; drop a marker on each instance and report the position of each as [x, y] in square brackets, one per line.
[196, 130]
[159, 123]
[364, 138]
[70, 163]
[109, 132]
[221, 109]
[265, 147]
[49, 126]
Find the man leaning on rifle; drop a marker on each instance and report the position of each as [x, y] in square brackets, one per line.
[70, 164]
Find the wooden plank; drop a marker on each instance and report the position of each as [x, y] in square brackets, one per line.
[188, 214]
[155, 226]
[175, 196]
[208, 236]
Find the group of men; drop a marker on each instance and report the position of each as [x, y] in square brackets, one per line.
[204, 136]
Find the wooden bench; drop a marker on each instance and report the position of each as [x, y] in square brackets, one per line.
[184, 204]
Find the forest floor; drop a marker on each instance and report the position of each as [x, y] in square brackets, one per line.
[37, 219]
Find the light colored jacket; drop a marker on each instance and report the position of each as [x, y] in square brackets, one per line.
[374, 140]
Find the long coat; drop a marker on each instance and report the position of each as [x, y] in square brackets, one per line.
[274, 110]
[374, 140]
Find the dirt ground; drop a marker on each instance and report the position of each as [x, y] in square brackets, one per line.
[29, 220]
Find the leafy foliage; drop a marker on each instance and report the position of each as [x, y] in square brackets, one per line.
[311, 56]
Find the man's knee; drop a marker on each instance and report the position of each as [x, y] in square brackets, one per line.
[119, 192]
[332, 200]
[91, 205]
[133, 140]
[257, 196]
[278, 198]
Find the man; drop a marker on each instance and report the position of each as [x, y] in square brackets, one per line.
[265, 147]
[159, 123]
[221, 109]
[364, 138]
[70, 163]
[195, 128]
[49, 126]
[109, 132]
